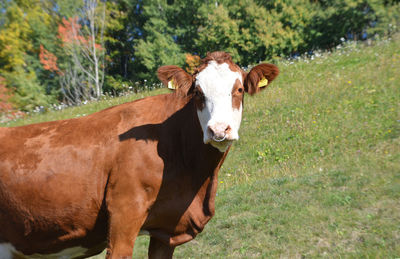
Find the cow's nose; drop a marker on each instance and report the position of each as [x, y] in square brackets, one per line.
[219, 131]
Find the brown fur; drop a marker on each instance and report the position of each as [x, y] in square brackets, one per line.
[237, 94]
[96, 181]
[268, 71]
[219, 57]
[180, 78]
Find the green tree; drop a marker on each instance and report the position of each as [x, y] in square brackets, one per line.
[121, 29]
[254, 31]
[142, 35]
[19, 50]
[219, 33]
[158, 45]
[337, 19]
[386, 19]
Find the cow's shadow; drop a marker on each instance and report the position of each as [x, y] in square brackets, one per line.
[188, 164]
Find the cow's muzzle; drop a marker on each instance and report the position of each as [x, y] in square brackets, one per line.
[219, 131]
[218, 139]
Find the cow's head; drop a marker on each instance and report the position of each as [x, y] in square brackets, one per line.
[218, 86]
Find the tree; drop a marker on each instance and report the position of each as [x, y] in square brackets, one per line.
[338, 19]
[62, 49]
[5, 96]
[18, 53]
[121, 30]
[220, 32]
[83, 41]
[158, 46]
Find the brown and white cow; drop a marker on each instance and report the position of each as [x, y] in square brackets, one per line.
[71, 188]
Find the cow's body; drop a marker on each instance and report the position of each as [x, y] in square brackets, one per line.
[94, 182]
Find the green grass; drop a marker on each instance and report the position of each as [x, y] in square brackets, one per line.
[78, 111]
[316, 172]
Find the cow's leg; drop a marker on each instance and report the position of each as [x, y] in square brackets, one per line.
[122, 235]
[126, 217]
[159, 250]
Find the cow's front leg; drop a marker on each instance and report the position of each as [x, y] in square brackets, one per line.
[122, 235]
[126, 217]
[159, 250]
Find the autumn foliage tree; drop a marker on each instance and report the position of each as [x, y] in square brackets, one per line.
[48, 60]
[8, 111]
[192, 61]
[60, 50]
[23, 28]
[5, 95]
[82, 39]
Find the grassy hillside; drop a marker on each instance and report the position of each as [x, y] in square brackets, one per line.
[316, 172]
[78, 111]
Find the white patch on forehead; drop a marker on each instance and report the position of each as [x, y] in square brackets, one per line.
[217, 78]
[217, 82]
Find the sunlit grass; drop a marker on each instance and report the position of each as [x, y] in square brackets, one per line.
[78, 111]
[316, 172]
[317, 169]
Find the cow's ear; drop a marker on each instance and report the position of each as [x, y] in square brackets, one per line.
[175, 78]
[259, 77]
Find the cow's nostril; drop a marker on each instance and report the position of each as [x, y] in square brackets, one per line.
[210, 131]
[218, 131]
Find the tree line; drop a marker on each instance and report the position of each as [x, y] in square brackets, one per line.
[73, 51]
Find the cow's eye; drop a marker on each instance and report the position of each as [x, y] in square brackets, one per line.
[198, 93]
[240, 90]
[199, 98]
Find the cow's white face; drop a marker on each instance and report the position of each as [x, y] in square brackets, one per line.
[218, 86]
[219, 94]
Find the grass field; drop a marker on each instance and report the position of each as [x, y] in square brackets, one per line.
[316, 172]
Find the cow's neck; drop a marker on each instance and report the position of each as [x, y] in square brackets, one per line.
[204, 156]
[201, 164]
[189, 168]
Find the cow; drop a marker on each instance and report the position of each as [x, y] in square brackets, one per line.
[72, 188]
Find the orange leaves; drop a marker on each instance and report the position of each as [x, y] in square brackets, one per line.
[6, 106]
[4, 96]
[192, 62]
[69, 31]
[48, 60]
[8, 111]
